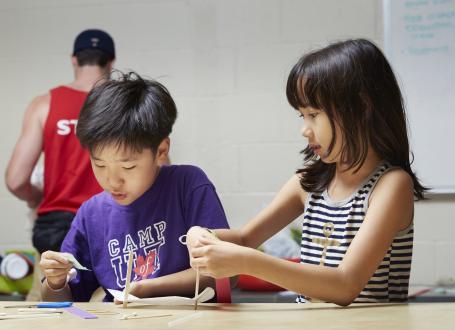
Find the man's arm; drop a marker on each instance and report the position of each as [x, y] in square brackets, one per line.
[27, 151]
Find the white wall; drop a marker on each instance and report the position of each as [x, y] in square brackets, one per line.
[226, 64]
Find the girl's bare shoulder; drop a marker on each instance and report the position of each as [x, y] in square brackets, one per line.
[395, 179]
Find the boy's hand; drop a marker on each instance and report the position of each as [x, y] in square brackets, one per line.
[55, 268]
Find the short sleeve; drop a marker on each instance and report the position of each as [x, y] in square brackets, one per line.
[203, 208]
[75, 242]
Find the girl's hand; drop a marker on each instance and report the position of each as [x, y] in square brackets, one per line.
[218, 258]
[55, 268]
[195, 234]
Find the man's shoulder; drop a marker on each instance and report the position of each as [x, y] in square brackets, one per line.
[42, 99]
[71, 88]
[39, 106]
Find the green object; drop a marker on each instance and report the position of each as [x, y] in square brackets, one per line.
[296, 235]
[23, 285]
[7, 285]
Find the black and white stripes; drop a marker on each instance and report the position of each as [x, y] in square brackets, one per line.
[389, 282]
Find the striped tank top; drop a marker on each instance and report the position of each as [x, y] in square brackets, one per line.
[329, 227]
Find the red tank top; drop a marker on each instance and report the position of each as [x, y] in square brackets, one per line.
[68, 175]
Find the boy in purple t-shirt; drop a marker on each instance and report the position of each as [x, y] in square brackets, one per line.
[145, 208]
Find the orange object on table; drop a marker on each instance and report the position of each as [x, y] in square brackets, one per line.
[251, 283]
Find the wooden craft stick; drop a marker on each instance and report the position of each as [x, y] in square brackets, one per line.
[127, 316]
[128, 279]
[196, 290]
[135, 316]
[39, 310]
[28, 316]
[102, 312]
[184, 319]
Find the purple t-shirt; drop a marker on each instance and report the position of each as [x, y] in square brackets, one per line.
[103, 232]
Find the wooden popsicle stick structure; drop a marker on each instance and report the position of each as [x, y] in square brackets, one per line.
[196, 290]
[128, 278]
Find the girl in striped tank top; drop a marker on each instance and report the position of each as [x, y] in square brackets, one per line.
[356, 189]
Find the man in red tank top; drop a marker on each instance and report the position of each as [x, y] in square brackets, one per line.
[49, 127]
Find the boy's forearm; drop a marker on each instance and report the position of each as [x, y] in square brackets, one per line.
[63, 294]
[180, 284]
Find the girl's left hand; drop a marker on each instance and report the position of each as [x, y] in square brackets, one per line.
[218, 258]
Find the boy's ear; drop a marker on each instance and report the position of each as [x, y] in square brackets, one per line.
[163, 151]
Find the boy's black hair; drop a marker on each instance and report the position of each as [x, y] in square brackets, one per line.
[128, 112]
[91, 56]
[353, 83]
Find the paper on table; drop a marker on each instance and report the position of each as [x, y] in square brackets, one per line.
[68, 256]
[205, 295]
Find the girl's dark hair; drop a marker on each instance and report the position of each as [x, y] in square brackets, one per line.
[353, 83]
[127, 111]
[93, 57]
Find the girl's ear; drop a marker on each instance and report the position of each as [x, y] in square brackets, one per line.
[162, 153]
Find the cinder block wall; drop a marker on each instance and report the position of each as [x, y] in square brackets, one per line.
[226, 63]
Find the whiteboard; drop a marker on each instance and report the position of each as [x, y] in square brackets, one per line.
[419, 41]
